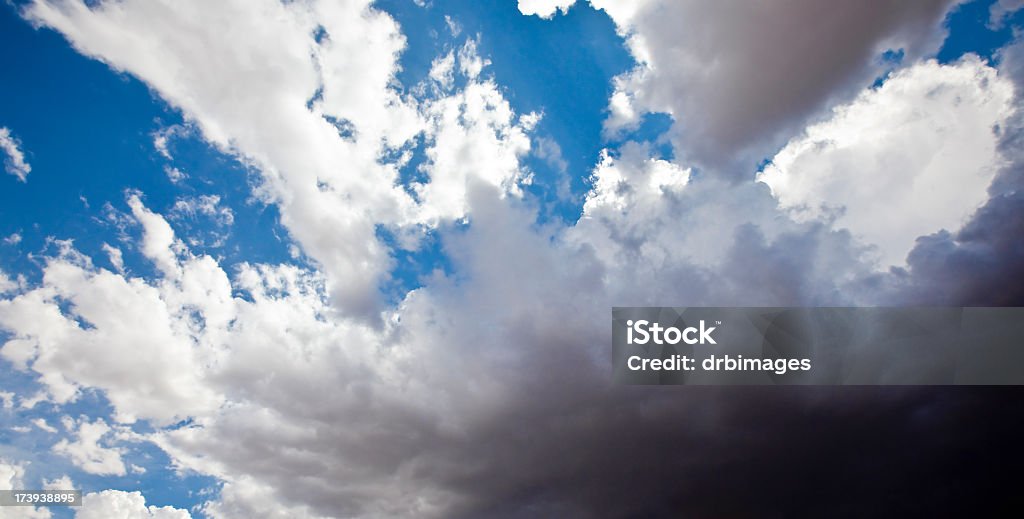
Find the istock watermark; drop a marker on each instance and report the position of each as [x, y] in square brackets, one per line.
[824, 346]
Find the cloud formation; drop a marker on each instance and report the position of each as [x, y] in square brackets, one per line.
[286, 113]
[87, 453]
[14, 163]
[486, 391]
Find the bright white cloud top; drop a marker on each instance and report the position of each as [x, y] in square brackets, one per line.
[115, 504]
[544, 8]
[920, 150]
[303, 392]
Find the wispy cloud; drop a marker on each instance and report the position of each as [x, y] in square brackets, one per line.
[14, 163]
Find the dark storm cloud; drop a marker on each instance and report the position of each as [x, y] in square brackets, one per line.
[981, 265]
[750, 452]
[564, 442]
[567, 444]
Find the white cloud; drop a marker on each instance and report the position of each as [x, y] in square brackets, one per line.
[454, 27]
[122, 335]
[15, 162]
[442, 70]
[39, 396]
[549, 151]
[7, 399]
[203, 205]
[331, 189]
[159, 242]
[544, 8]
[175, 175]
[116, 504]
[907, 159]
[12, 477]
[41, 423]
[472, 136]
[1002, 9]
[61, 483]
[471, 64]
[7, 284]
[318, 138]
[163, 137]
[13, 239]
[116, 257]
[622, 112]
[87, 453]
[249, 498]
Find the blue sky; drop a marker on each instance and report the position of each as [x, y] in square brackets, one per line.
[88, 133]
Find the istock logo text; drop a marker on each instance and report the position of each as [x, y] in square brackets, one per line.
[645, 331]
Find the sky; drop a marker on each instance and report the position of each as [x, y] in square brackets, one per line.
[357, 259]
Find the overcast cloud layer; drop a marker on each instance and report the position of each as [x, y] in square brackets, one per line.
[486, 392]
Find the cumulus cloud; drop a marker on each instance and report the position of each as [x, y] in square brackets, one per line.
[427, 402]
[158, 240]
[329, 185]
[920, 150]
[121, 334]
[725, 70]
[12, 476]
[975, 263]
[545, 8]
[87, 452]
[321, 141]
[116, 504]
[14, 163]
[473, 135]
[61, 483]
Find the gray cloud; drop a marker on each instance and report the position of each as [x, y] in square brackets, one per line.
[741, 78]
[750, 452]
